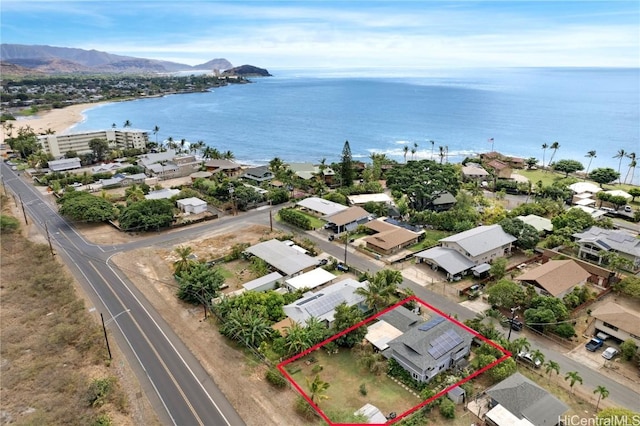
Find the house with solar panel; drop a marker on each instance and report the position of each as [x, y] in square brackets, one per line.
[429, 348]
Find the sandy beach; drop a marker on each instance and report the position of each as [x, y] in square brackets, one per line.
[57, 120]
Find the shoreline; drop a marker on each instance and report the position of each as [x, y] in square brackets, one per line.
[57, 120]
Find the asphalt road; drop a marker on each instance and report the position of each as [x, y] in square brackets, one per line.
[175, 382]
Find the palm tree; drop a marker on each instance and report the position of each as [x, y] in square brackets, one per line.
[446, 153]
[602, 392]
[621, 154]
[406, 150]
[544, 152]
[632, 166]
[228, 155]
[414, 150]
[114, 125]
[156, 129]
[432, 144]
[537, 355]
[518, 345]
[126, 124]
[554, 146]
[573, 377]
[170, 143]
[591, 155]
[441, 154]
[185, 260]
[551, 366]
[317, 389]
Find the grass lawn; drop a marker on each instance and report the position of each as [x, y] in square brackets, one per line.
[345, 377]
[430, 240]
[315, 222]
[548, 177]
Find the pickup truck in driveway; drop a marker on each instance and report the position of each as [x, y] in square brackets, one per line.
[594, 344]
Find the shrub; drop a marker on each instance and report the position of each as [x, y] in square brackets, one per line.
[628, 349]
[8, 224]
[565, 330]
[316, 369]
[447, 408]
[102, 420]
[296, 218]
[363, 389]
[276, 378]
[99, 391]
[304, 409]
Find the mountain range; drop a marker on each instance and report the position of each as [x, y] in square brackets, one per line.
[41, 59]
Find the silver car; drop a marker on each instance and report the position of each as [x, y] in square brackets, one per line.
[609, 353]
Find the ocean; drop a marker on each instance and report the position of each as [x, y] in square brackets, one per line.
[307, 115]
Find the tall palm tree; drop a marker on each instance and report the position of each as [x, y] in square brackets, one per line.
[590, 155]
[544, 152]
[317, 389]
[406, 150]
[551, 366]
[554, 146]
[446, 153]
[170, 143]
[114, 125]
[537, 355]
[432, 145]
[632, 166]
[621, 154]
[228, 155]
[126, 124]
[441, 153]
[414, 150]
[573, 377]
[156, 129]
[602, 392]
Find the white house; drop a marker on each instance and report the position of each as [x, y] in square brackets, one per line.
[192, 205]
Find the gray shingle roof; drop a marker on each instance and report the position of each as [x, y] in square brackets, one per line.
[401, 318]
[282, 257]
[423, 348]
[618, 240]
[523, 398]
[481, 239]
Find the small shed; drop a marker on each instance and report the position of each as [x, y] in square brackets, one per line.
[372, 413]
[457, 395]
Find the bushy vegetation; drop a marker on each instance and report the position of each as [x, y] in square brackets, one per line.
[8, 224]
[275, 377]
[146, 215]
[296, 218]
[82, 206]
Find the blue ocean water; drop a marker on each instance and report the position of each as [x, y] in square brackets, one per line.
[306, 115]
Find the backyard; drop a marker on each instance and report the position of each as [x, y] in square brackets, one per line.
[346, 378]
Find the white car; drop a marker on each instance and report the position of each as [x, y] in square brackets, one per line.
[609, 353]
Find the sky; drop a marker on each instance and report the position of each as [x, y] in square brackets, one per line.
[342, 34]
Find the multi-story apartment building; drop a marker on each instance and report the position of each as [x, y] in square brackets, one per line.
[59, 145]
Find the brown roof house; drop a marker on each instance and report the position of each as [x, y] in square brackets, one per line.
[556, 277]
[389, 238]
[228, 167]
[347, 220]
[618, 321]
[502, 170]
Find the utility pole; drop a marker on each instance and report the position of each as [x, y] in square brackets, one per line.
[204, 302]
[346, 241]
[49, 239]
[106, 339]
[270, 216]
[24, 213]
[513, 317]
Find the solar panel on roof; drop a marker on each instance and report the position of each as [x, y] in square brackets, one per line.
[325, 304]
[431, 323]
[444, 343]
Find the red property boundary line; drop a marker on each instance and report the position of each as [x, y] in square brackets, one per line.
[281, 366]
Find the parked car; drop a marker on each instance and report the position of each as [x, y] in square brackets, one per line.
[609, 353]
[342, 267]
[527, 358]
[594, 344]
[322, 262]
[628, 209]
[516, 325]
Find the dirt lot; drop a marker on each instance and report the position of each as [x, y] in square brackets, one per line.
[232, 369]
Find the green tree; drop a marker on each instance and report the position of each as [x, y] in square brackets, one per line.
[554, 146]
[297, 339]
[346, 166]
[317, 389]
[527, 236]
[616, 416]
[629, 286]
[447, 408]
[603, 175]
[551, 366]
[537, 355]
[503, 370]
[573, 220]
[199, 283]
[634, 192]
[99, 147]
[620, 154]
[379, 291]
[518, 345]
[246, 327]
[628, 349]
[498, 268]
[185, 260]
[590, 155]
[568, 166]
[573, 377]
[85, 207]
[345, 317]
[505, 294]
[146, 215]
[602, 392]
